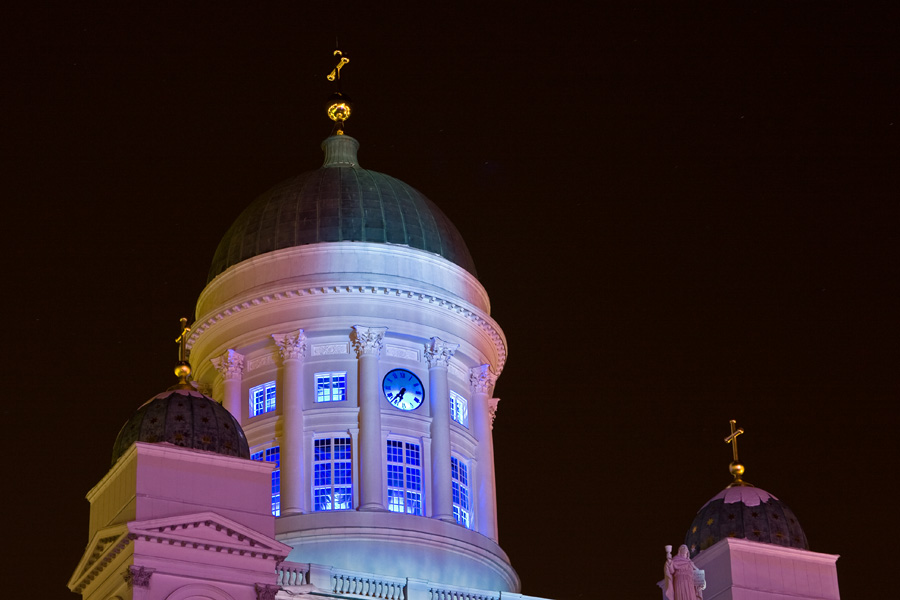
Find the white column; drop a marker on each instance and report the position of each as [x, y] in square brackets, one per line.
[231, 367]
[292, 347]
[482, 412]
[438, 354]
[368, 342]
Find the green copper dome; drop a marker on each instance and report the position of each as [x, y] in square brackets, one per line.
[340, 202]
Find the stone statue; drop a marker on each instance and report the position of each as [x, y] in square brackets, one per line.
[684, 581]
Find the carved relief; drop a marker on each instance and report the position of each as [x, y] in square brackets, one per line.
[230, 365]
[367, 340]
[492, 409]
[292, 346]
[401, 352]
[137, 576]
[262, 361]
[438, 352]
[329, 349]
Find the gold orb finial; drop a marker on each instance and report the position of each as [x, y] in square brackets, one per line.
[339, 105]
[735, 467]
[182, 367]
[338, 108]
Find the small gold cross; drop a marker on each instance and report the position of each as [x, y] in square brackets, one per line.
[182, 339]
[732, 439]
[336, 72]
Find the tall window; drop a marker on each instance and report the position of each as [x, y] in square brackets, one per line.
[404, 476]
[272, 455]
[332, 474]
[331, 387]
[462, 509]
[262, 399]
[459, 409]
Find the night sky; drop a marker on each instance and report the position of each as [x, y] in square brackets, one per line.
[681, 215]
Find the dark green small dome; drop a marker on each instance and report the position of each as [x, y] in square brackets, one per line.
[746, 512]
[340, 202]
[184, 418]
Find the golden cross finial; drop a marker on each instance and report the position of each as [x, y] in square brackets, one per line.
[732, 439]
[736, 468]
[183, 368]
[336, 72]
[182, 340]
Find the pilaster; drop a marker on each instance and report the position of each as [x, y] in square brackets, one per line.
[482, 381]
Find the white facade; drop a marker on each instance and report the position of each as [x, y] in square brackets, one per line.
[364, 309]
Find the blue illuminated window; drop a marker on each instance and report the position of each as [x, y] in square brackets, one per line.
[262, 399]
[404, 477]
[272, 455]
[462, 509]
[459, 409]
[331, 387]
[332, 474]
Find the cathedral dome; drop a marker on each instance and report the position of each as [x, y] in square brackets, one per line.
[744, 511]
[184, 418]
[340, 202]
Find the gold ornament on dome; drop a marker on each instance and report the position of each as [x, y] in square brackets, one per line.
[339, 111]
[735, 468]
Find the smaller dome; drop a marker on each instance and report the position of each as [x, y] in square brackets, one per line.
[184, 418]
[747, 512]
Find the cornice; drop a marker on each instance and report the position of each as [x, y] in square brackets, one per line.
[486, 324]
[105, 547]
[230, 537]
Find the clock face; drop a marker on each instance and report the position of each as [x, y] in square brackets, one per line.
[403, 389]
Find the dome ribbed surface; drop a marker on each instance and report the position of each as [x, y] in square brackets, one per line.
[745, 512]
[184, 418]
[340, 202]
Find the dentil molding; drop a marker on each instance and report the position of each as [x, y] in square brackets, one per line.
[199, 328]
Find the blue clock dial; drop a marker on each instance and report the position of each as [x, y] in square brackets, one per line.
[403, 389]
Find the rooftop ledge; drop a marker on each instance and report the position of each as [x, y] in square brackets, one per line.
[398, 545]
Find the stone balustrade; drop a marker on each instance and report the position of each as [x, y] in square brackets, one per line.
[381, 587]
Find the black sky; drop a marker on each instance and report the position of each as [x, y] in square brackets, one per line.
[682, 215]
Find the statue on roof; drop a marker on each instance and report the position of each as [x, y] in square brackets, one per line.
[684, 581]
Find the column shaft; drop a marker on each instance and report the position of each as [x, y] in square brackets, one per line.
[368, 342]
[438, 354]
[293, 477]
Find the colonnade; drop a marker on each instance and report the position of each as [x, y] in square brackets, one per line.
[368, 343]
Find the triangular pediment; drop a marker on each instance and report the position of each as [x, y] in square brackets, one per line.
[103, 548]
[209, 531]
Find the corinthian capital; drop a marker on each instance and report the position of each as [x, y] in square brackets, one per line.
[230, 365]
[291, 345]
[482, 379]
[367, 340]
[492, 409]
[438, 352]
